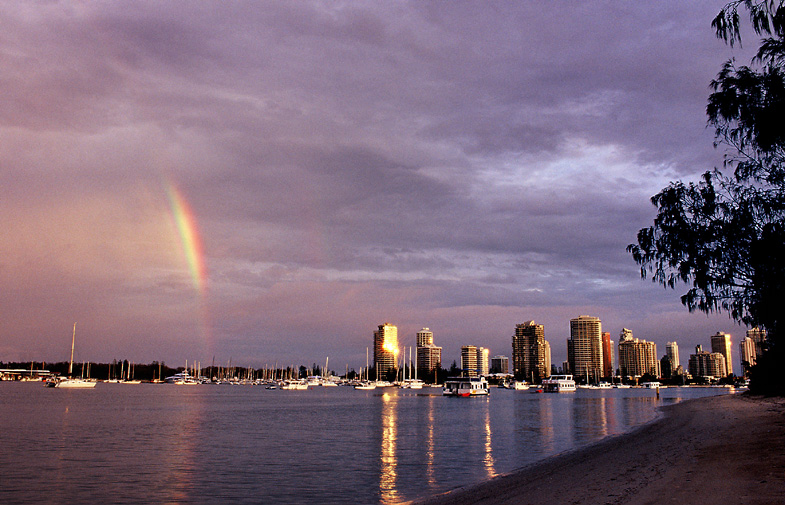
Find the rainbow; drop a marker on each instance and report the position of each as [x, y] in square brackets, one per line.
[189, 237]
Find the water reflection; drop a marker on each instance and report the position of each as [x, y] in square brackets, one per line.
[547, 436]
[488, 459]
[388, 458]
[430, 445]
[179, 459]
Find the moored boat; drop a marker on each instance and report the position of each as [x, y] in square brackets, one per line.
[71, 382]
[558, 384]
[465, 386]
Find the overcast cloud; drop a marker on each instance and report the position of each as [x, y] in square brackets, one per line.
[465, 166]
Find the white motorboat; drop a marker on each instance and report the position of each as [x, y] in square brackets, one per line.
[558, 384]
[465, 386]
[295, 385]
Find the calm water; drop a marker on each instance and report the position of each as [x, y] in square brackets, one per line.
[245, 444]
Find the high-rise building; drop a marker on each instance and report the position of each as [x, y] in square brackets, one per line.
[429, 356]
[672, 351]
[530, 352]
[469, 360]
[500, 364]
[548, 359]
[607, 355]
[747, 353]
[584, 348]
[706, 364]
[474, 360]
[482, 360]
[720, 342]
[666, 367]
[385, 349]
[758, 336]
[424, 337]
[636, 356]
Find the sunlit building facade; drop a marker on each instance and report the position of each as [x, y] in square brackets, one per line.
[474, 360]
[483, 360]
[424, 337]
[584, 348]
[707, 364]
[608, 364]
[672, 351]
[548, 359]
[385, 349]
[530, 352]
[429, 356]
[747, 353]
[720, 342]
[637, 357]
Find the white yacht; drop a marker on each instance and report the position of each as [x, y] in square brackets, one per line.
[365, 385]
[298, 385]
[412, 384]
[558, 384]
[465, 386]
[71, 382]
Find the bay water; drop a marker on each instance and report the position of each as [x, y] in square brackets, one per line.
[145, 443]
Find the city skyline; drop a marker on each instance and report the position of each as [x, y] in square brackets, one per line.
[270, 182]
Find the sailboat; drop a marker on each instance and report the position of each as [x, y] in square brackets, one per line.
[71, 382]
[366, 384]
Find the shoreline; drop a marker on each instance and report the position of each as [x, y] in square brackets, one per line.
[707, 450]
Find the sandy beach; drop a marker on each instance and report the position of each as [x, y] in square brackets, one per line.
[722, 449]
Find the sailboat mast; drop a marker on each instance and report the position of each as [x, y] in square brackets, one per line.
[71, 361]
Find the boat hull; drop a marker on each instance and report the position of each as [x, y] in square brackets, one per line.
[74, 384]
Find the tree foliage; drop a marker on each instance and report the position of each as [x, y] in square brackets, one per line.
[725, 234]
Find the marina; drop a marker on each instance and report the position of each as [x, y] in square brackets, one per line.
[165, 443]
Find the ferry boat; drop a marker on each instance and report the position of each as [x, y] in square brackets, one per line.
[465, 386]
[558, 384]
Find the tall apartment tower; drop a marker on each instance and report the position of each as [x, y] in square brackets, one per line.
[636, 356]
[429, 356]
[500, 364]
[530, 352]
[672, 351]
[474, 360]
[758, 336]
[483, 355]
[547, 359]
[584, 348]
[747, 353]
[607, 355]
[721, 343]
[706, 364]
[469, 360]
[424, 337]
[385, 349]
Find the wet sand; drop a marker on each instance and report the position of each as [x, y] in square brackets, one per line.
[721, 449]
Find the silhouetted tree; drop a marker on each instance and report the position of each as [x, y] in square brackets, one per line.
[725, 235]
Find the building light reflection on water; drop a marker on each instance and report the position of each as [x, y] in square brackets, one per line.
[430, 446]
[547, 435]
[488, 459]
[389, 462]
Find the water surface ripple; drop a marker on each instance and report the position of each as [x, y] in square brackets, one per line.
[149, 443]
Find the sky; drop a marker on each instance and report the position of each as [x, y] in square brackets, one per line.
[268, 182]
